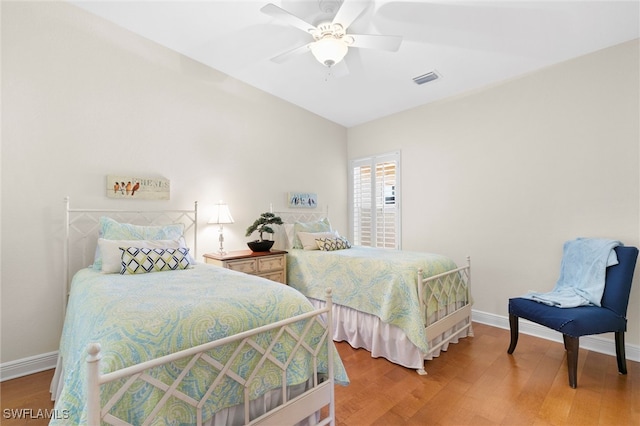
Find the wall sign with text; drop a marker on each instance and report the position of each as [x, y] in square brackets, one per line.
[136, 187]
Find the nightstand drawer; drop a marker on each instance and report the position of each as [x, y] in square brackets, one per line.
[271, 263]
[246, 266]
[277, 276]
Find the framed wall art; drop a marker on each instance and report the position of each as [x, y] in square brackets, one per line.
[136, 187]
[303, 199]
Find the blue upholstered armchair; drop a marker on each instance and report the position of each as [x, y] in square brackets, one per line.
[584, 320]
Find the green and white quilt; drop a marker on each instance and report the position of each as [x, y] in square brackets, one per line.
[136, 318]
[379, 282]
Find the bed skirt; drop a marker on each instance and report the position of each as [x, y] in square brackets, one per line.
[366, 331]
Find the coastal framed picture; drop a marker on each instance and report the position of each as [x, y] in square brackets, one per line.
[303, 200]
[137, 187]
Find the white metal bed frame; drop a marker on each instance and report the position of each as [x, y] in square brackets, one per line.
[83, 224]
[321, 393]
[452, 319]
[444, 322]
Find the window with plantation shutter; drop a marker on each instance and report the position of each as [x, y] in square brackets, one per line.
[374, 191]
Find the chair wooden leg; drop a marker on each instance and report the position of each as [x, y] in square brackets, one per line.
[620, 354]
[513, 324]
[572, 344]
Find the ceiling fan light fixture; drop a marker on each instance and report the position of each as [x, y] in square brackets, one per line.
[329, 50]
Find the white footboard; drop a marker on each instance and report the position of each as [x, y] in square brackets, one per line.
[291, 411]
[451, 293]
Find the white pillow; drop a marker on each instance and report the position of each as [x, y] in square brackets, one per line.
[308, 239]
[290, 234]
[111, 229]
[112, 256]
[318, 226]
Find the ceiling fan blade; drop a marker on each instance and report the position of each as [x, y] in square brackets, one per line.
[354, 61]
[281, 14]
[380, 42]
[349, 12]
[290, 54]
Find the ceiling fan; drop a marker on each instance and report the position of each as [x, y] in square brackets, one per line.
[331, 41]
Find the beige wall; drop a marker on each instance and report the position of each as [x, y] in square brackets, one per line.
[507, 174]
[504, 175]
[83, 98]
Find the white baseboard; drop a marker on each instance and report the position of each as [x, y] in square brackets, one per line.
[25, 366]
[34, 364]
[594, 343]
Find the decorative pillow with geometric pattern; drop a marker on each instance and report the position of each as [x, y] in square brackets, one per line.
[111, 229]
[331, 244]
[308, 239]
[318, 226]
[112, 255]
[140, 260]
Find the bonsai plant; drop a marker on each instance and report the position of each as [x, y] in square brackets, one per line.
[262, 225]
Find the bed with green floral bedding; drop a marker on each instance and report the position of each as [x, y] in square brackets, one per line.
[140, 317]
[379, 282]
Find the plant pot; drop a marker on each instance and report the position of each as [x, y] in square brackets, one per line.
[257, 245]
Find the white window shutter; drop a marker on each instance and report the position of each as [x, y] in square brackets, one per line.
[375, 201]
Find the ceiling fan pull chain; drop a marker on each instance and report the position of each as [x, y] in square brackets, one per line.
[328, 75]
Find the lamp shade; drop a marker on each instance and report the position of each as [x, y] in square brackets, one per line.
[221, 214]
[329, 50]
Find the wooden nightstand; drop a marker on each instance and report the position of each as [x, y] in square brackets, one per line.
[267, 264]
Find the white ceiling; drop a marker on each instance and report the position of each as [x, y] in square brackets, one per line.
[470, 44]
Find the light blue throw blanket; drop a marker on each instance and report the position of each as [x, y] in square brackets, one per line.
[582, 273]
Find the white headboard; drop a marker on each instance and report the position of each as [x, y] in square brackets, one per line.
[303, 215]
[291, 217]
[81, 232]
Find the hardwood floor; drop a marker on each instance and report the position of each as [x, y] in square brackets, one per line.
[474, 383]
[18, 396]
[477, 383]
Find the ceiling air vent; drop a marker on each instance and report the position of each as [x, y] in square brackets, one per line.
[425, 78]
